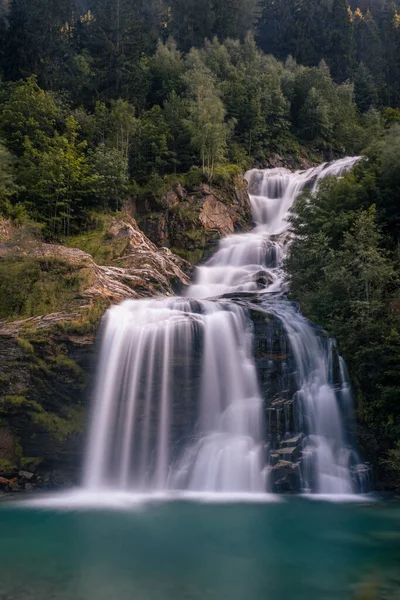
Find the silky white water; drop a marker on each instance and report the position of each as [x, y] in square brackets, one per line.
[178, 404]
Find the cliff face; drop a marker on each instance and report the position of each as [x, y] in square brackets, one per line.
[190, 220]
[52, 298]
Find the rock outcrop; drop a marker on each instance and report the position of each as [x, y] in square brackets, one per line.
[52, 298]
[190, 220]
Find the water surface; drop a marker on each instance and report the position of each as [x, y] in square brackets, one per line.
[291, 550]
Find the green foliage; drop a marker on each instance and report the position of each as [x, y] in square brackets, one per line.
[314, 118]
[28, 112]
[7, 466]
[130, 111]
[343, 267]
[26, 346]
[111, 184]
[393, 459]
[30, 463]
[30, 287]
[206, 115]
[59, 427]
[7, 185]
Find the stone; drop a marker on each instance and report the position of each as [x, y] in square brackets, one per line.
[216, 215]
[26, 475]
[285, 477]
[293, 441]
[288, 454]
[171, 199]
[194, 218]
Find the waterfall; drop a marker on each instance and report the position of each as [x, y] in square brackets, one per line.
[178, 400]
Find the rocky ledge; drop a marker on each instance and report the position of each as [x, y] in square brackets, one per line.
[52, 298]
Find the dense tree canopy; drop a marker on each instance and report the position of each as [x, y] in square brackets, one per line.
[343, 268]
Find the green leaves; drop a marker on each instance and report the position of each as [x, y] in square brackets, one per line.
[345, 273]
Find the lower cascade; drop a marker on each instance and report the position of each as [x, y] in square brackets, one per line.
[228, 389]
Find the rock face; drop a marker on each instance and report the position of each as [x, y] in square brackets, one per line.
[53, 297]
[190, 220]
[276, 372]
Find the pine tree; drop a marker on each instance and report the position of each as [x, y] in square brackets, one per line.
[117, 35]
[40, 40]
[368, 46]
[191, 22]
[314, 118]
[365, 91]
[340, 56]
[276, 28]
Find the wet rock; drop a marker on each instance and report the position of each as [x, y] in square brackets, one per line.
[293, 441]
[285, 477]
[26, 475]
[288, 453]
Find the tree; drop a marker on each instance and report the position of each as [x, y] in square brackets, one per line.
[344, 272]
[340, 57]
[277, 28]
[117, 34]
[179, 149]
[28, 112]
[150, 151]
[314, 118]
[366, 96]
[40, 40]
[206, 115]
[368, 47]
[56, 180]
[166, 70]
[111, 184]
[7, 185]
[122, 128]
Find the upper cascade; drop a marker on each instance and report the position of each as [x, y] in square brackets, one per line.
[179, 403]
[252, 261]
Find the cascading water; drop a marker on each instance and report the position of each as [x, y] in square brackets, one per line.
[179, 404]
[177, 400]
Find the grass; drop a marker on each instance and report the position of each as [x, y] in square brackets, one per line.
[33, 287]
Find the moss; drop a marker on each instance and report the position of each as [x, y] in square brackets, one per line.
[18, 450]
[40, 366]
[32, 287]
[26, 346]
[89, 321]
[7, 465]
[5, 379]
[64, 362]
[94, 243]
[14, 401]
[30, 463]
[60, 427]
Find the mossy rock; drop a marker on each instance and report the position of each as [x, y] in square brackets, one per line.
[32, 287]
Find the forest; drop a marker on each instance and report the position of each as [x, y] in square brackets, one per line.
[100, 99]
